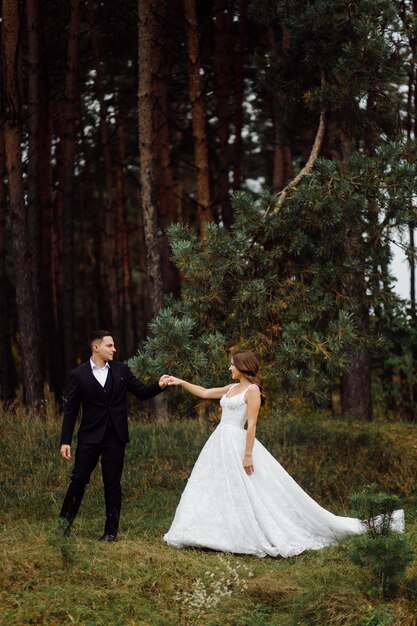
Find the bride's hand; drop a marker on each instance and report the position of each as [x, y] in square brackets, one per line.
[172, 380]
[248, 464]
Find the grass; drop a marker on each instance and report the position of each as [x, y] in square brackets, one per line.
[48, 580]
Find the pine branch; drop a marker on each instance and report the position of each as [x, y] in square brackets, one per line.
[308, 166]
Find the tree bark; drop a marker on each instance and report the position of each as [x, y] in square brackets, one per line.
[411, 126]
[168, 201]
[68, 155]
[146, 138]
[98, 311]
[282, 167]
[111, 234]
[57, 236]
[124, 277]
[25, 300]
[146, 33]
[356, 380]
[224, 86]
[199, 116]
[356, 398]
[33, 126]
[50, 336]
[239, 58]
[412, 264]
[7, 366]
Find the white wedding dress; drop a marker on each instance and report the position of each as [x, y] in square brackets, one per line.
[266, 513]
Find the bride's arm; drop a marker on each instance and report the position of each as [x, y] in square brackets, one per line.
[253, 400]
[197, 390]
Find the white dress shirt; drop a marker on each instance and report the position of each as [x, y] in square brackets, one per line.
[100, 373]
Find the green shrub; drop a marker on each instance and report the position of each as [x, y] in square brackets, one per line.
[382, 553]
[383, 559]
[375, 509]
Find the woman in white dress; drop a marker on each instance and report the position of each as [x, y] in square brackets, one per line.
[238, 497]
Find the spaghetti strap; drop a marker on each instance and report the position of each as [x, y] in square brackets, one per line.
[248, 387]
[232, 387]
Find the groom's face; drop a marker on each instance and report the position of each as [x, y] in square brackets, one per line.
[105, 349]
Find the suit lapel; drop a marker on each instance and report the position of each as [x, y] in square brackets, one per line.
[113, 372]
[90, 378]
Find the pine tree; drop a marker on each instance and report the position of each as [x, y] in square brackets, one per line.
[301, 277]
[274, 283]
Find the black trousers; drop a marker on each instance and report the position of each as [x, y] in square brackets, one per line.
[112, 452]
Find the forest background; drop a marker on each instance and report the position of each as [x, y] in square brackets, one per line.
[199, 176]
[149, 155]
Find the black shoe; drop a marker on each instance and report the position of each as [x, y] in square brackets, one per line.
[108, 538]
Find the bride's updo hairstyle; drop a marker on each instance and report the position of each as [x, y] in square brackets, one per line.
[247, 363]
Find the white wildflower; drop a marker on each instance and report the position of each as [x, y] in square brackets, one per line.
[207, 592]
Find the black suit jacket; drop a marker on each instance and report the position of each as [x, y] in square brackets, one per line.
[99, 407]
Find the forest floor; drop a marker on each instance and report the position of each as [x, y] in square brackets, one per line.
[49, 580]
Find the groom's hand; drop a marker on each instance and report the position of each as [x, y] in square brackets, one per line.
[163, 381]
[66, 452]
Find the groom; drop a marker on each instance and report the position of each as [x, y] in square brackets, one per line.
[100, 386]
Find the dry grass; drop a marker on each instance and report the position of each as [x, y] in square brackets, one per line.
[47, 580]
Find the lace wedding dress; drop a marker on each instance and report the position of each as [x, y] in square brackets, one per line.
[266, 513]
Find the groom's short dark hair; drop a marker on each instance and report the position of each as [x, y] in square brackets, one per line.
[98, 335]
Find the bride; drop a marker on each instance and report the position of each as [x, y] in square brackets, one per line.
[238, 497]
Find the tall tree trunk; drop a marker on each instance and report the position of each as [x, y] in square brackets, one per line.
[412, 264]
[7, 366]
[91, 238]
[222, 62]
[57, 236]
[110, 243]
[411, 126]
[239, 59]
[282, 168]
[25, 300]
[198, 114]
[33, 125]
[123, 253]
[146, 138]
[356, 396]
[49, 333]
[68, 155]
[141, 320]
[98, 312]
[356, 380]
[146, 32]
[168, 201]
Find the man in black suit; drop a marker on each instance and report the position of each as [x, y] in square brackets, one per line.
[100, 386]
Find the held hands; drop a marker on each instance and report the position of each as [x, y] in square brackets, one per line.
[167, 380]
[172, 380]
[248, 464]
[66, 452]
